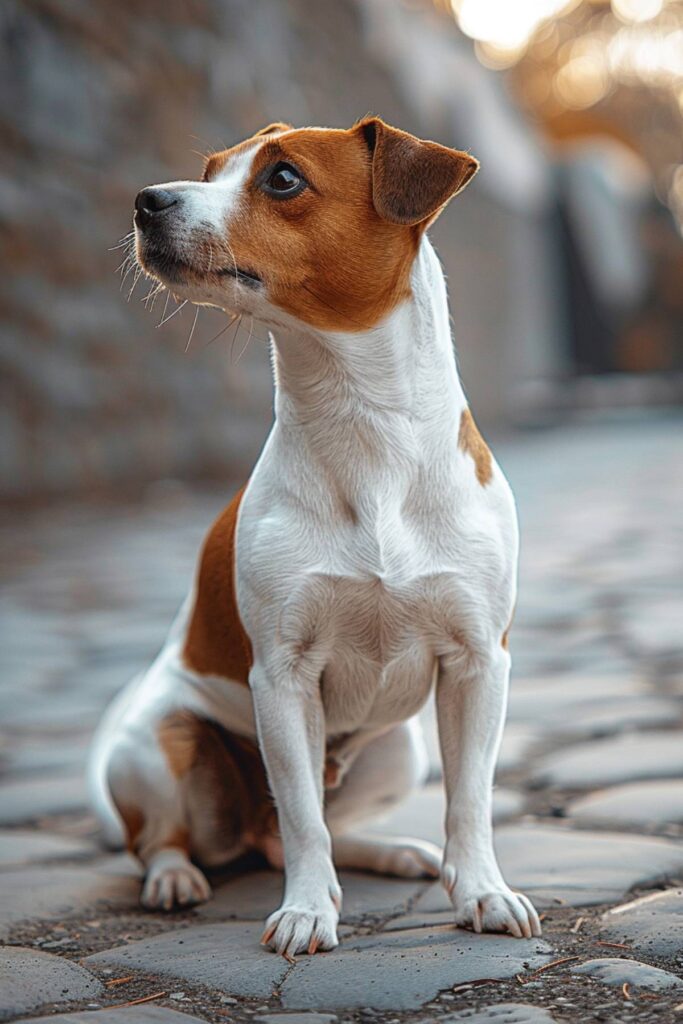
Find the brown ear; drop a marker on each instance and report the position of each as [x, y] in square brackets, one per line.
[276, 126]
[412, 180]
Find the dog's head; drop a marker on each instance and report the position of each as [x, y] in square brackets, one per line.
[320, 224]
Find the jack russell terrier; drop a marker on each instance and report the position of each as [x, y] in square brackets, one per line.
[371, 556]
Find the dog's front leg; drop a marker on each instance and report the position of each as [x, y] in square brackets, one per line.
[471, 703]
[291, 729]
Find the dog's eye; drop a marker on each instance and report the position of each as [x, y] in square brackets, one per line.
[284, 180]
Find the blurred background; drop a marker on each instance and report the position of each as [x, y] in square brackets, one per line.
[564, 261]
[119, 442]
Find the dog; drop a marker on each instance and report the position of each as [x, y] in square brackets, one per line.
[370, 559]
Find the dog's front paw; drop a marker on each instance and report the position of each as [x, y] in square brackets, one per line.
[491, 908]
[301, 929]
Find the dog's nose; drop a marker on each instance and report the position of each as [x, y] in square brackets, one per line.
[150, 202]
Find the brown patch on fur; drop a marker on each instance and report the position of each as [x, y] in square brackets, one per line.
[471, 442]
[178, 738]
[216, 642]
[179, 837]
[133, 822]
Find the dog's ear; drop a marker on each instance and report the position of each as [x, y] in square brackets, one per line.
[412, 180]
[276, 126]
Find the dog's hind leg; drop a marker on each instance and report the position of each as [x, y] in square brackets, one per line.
[179, 794]
[383, 775]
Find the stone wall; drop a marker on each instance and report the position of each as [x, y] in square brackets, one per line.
[100, 98]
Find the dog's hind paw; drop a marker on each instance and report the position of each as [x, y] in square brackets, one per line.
[172, 881]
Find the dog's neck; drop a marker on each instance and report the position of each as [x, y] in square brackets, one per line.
[379, 396]
[373, 409]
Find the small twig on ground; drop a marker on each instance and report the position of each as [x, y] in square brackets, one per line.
[612, 945]
[475, 984]
[134, 1002]
[577, 925]
[118, 981]
[625, 990]
[555, 963]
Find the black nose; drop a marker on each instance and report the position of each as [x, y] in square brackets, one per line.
[152, 201]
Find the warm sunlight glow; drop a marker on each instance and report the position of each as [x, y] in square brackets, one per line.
[506, 26]
[637, 10]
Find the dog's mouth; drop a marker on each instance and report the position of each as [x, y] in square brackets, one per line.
[247, 277]
[173, 269]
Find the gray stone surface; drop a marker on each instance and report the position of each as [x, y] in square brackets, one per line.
[48, 893]
[253, 897]
[552, 862]
[651, 925]
[145, 1014]
[404, 970]
[69, 640]
[655, 803]
[297, 1018]
[615, 971]
[422, 815]
[225, 957]
[30, 979]
[635, 756]
[36, 797]
[503, 1013]
[22, 847]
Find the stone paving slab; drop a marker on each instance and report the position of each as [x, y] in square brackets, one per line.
[51, 893]
[590, 706]
[503, 1013]
[652, 925]
[24, 847]
[403, 971]
[254, 896]
[30, 979]
[553, 863]
[644, 804]
[38, 796]
[618, 972]
[422, 815]
[226, 957]
[120, 1015]
[297, 1018]
[631, 757]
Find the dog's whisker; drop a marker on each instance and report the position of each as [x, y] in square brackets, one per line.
[234, 339]
[128, 270]
[138, 275]
[160, 289]
[122, 243]
[171, 315]
[222, 331]
[194, 324]
[163, 314]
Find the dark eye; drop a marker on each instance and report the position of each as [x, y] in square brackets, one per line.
[284, 180]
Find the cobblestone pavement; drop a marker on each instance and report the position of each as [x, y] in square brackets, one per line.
[589, 801]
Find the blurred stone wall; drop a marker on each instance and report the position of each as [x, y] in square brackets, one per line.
[100, 97]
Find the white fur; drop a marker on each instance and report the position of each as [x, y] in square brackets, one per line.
[370, 563]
